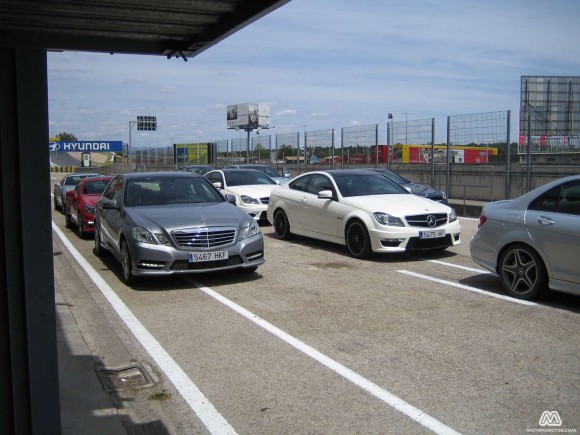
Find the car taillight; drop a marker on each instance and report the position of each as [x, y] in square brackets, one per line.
[482, 220]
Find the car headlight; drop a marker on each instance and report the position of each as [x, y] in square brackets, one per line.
[142, 235]
[452, 216]
[249, 200]
[90, 209]
[387, 219]
[249, 231]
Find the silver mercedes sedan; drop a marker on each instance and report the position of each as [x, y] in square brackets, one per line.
[164, 223]
[533, 242]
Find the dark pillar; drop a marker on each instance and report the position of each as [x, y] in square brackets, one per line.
[29, 396]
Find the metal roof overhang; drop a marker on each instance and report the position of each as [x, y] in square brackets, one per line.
[180, 28]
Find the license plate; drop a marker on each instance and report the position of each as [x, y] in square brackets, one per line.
[195, 257]
[433, 234]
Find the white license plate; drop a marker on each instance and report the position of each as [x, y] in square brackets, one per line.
[195, 257]
[433, 234]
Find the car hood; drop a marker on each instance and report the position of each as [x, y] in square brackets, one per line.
[396, 205]
[91, 199]
[177, 216]
[253, 190]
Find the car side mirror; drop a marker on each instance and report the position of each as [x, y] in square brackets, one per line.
[109, 204]
[217, 184]
[286, 172]
[230, 198]
[408, 189]
[325, 194]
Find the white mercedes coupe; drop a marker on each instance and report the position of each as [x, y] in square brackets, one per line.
[250, 187]
[362, 210]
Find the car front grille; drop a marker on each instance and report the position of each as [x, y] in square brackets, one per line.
[422, 220]
[204, 237]
[186, 265]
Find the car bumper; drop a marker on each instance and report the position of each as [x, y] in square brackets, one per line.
[154, 260]
[257, 211]
[401, 239]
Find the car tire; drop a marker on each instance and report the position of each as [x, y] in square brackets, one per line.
[67, 222]
[80, 229]
[99, 250]
[522, 272]
[56, 207]
[281, 225]
[357, 240]
[126, 265]
[63, 206]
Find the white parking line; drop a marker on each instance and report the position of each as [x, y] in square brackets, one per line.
[380, 393]
[470, 269]
[199, 404]
[466, 287]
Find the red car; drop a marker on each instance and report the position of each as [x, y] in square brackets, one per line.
[79, 209]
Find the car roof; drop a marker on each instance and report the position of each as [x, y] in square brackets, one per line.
[164, 174]
[238, 170]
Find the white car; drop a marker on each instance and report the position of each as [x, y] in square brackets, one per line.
[362, 210]
[251, 188]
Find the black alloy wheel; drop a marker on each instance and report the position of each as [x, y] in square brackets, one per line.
[357, 240]
[281, 225]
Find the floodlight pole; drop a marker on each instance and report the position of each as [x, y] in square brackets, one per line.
[130, 144]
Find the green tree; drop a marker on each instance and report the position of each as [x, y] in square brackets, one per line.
[67, 136]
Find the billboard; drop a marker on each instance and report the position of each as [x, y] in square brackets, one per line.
[248, 116]
[189, 153]
[85, 146]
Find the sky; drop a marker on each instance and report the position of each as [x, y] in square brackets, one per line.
[324, 64]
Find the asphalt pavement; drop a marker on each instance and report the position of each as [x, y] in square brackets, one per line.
[104, 387]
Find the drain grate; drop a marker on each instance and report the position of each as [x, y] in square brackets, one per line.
[134, 376]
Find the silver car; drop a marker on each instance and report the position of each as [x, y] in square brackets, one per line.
[166, 223]
[533, 242]
[66, 184]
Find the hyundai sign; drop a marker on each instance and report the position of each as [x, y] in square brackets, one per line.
[96, 146]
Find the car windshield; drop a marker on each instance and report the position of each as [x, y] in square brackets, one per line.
[95, 187]
[244, 178]
[268, 171]
[170, 190]
[75, 179]
[366, 184]
[201, 170]
[395, 177]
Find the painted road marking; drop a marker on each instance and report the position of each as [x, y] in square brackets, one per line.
[380, 393]
[466, 287]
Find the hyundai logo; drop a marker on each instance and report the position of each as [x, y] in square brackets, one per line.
[431, 221]
[53, 146]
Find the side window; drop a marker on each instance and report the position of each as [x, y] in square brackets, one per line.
[118, 194]
[546, 202]
[109, 192]
[300, 184]
[318, 183]
[570, 201]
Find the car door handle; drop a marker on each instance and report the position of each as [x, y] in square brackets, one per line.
[304, 199]
[543, 220]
